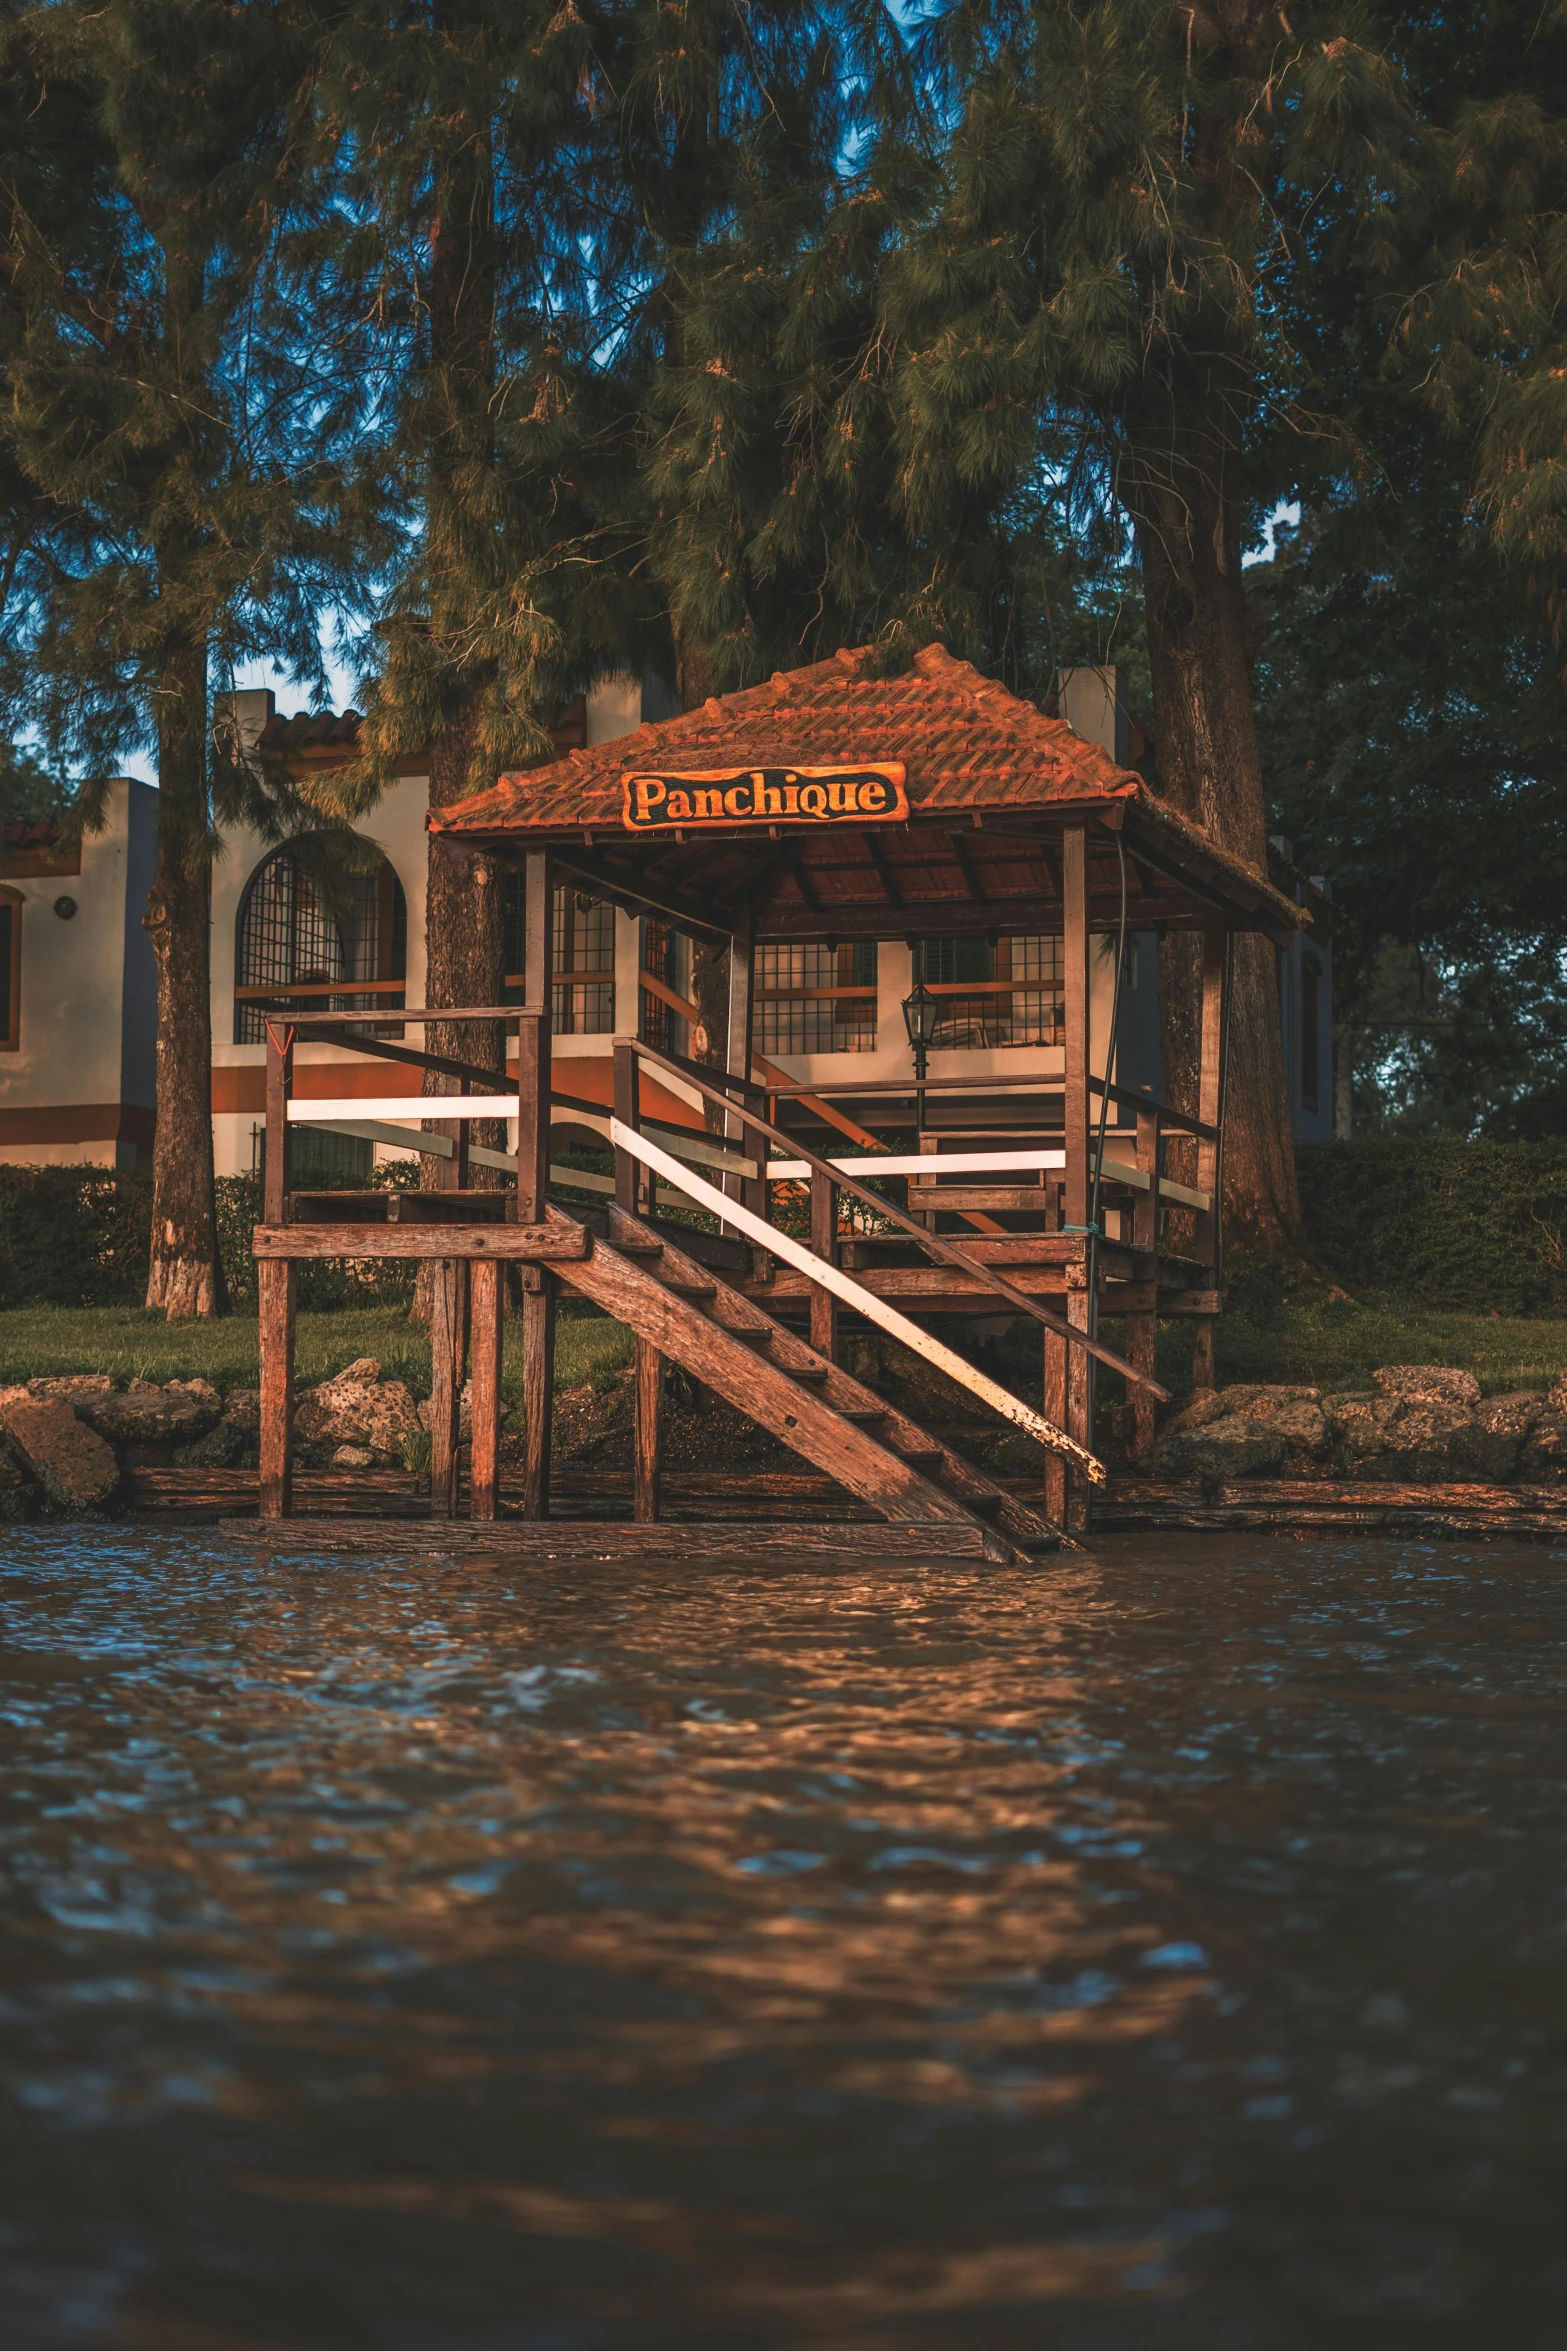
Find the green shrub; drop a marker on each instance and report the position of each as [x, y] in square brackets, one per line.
[1440, 1221]
[81, 1236]
[74, 1236]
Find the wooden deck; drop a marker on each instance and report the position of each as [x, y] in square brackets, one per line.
[762, 1500]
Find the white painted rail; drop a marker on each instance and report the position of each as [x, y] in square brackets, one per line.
[850, 1293]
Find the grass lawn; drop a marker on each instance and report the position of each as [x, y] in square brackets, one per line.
[1324, 1339]
[1315, 1335]
[42, 1341]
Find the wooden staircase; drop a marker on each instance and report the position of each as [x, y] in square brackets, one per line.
[688, 1313]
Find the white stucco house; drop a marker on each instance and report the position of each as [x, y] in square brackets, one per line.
[78, 989]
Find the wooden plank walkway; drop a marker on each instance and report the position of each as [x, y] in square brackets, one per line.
[764, 1498]
[587, 1539]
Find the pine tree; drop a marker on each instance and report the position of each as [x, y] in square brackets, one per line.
[472, 136]
[174, 392]
[1122, 194]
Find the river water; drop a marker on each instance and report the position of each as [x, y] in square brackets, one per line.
[1157, 1949]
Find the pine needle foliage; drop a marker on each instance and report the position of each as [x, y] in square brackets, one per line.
[178, 392]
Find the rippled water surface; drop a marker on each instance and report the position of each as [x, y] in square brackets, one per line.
[1159, 1949]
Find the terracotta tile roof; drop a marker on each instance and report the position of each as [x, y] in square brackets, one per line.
[966, 743]
[30, 832]
[312, 730]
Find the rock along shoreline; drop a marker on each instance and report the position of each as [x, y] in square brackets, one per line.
[67, 1443]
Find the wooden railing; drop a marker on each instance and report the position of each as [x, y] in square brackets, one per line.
[827, 1179]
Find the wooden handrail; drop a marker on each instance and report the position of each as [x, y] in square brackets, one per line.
[932, 1243]
[863, 1301]
[1128, 1098]
[318, 988]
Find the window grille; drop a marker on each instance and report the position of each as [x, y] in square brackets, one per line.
[583, 944]
[816, 999]
[661, 1026]
[583, 997]
[298, 934]
[1019, 990]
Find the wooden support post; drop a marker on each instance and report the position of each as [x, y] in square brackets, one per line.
[275, 1288]
[1142, 1330]
[1055, 1412]
[533, 1052]
[448, 1358]
[824, 1240]
[628, 1170]
[1074, 923]
[649, 1402]
[1210, 1163]
[1077, 1114]
[1079, 1392]
[278, 1177]
[486, 1308]
[533, 1113]
[275, 1284]
[751, 1191]
[538, 1387]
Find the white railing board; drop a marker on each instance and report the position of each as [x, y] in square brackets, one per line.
[781, 1171]
[313, 1111]
[1183, 1195]
[850, 1293]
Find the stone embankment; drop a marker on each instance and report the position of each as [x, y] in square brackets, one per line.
[66, 1443]
[1421, 1424]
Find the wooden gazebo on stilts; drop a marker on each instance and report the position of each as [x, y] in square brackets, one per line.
[831, 805]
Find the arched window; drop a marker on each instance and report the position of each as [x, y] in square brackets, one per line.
[11, 903]
[313, 938]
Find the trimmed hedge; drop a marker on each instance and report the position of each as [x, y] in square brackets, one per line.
[1442, 1221]
[81, 1236]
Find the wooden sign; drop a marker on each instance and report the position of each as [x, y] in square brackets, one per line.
[666, 801]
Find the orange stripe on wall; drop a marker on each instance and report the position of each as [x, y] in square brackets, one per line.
[77, 1122]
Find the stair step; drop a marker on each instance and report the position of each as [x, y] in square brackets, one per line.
[809, 1375]
[924, 1457]
[984, 1505]
[862, 1415]
[749, 1337]
[685, 1289]
[640, 1248]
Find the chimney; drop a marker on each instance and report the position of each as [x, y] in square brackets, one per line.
[247, 712]
[1093, 703]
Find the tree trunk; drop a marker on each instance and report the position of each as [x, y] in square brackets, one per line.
[1180, 479]
[464, 897]
[710, 995]
[186, 1275]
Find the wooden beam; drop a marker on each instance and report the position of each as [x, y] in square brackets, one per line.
[824, 1240]
[534, 1070]
[1075, 1008]
[277, 1181]
[648, 1402]
[441, 1063]
[538, 1389]
[275, 1288]
[486, 1310]
[965, 865]
[518, 1244]
[884, 872]
[638, 895]
[448, 1360]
